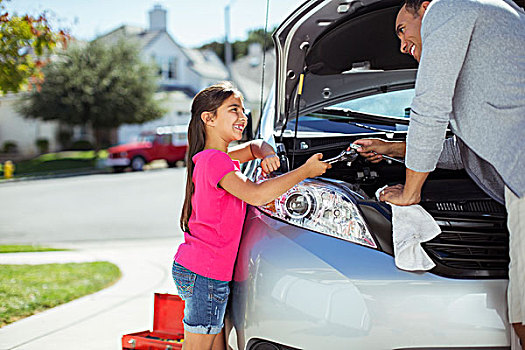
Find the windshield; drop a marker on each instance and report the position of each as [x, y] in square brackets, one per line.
[339, 119]
[146, 138]
[389, 104]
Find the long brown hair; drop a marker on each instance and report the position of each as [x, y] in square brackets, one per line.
[208, 100]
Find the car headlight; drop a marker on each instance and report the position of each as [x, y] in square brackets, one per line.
[323, 208]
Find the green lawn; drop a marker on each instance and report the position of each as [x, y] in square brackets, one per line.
[29, 289]
[56, 163]
[26, 248]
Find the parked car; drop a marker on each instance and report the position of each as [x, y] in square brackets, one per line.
[169, 143]
[316, 269]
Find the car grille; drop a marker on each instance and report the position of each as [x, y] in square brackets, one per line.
[474, 239]
[480, 206]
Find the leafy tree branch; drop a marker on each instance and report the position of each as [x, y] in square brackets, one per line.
[25, 45]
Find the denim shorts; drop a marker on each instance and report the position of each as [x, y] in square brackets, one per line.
[205, 300]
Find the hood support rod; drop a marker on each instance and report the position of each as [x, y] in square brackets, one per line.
[299, 94]
[304, 47]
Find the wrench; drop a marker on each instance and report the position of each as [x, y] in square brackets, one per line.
[354, 146]
[345, 156]
[351, 155]
[392, 158]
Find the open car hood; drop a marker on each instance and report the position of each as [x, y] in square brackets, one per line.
[344, 48]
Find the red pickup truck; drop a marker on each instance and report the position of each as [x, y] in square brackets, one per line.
[169, 143]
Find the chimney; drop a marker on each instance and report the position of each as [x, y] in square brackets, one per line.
[157, 18]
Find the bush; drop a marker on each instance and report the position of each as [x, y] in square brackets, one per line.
[64, 138]
[81, 145]
[10, 147]
[42, 145]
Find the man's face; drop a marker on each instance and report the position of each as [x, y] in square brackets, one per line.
[408, 29]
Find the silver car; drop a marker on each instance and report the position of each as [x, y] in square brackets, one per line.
[316, 267]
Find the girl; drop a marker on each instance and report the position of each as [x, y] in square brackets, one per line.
[215, 207]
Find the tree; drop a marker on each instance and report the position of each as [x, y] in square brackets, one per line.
[98, 86]
[258, 36]
[240, 47]
[24, 40]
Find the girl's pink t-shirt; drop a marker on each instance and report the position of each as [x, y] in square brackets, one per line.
[216, 221]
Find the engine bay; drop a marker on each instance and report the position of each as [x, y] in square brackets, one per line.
[365, 177]
[474, 238]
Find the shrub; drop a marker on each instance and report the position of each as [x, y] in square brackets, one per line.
[43, 145]
[64, 138]
[10, 147]
[81, 145]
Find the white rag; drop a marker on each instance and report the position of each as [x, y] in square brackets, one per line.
[411, 226]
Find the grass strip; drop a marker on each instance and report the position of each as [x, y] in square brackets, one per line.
[51, 163]
[29, 289]
[56, 162]
[26, 249]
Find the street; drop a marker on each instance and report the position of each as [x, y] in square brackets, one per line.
[143, 205]
[128, 219]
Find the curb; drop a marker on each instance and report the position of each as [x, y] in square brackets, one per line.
[92, 171]
[55, 176]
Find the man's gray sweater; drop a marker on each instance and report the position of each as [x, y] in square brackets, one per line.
[472, 77]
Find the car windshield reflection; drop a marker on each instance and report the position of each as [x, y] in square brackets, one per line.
[330, 120]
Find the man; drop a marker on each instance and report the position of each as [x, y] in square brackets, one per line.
[471, 78]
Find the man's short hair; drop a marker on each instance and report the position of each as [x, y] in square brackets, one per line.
[414, 5]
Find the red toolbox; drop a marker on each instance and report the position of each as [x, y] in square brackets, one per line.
[168, 330]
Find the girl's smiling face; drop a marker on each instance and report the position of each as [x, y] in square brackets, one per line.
[230, 119]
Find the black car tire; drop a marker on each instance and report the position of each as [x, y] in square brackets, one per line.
[118, 169]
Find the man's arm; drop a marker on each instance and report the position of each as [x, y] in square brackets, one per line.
[446, 31]
[374, 149]
[408, 194]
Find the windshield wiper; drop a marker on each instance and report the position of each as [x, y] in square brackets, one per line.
[375, 118]
[373, 128]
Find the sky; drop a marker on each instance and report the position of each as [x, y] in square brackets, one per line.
[190, 22]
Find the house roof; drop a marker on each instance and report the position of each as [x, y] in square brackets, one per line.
[204, 62]
[122, 32]
[148, 37]
[183, 89]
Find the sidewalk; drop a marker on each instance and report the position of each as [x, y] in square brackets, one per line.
[97, 321]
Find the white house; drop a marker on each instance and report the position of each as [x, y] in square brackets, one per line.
[182, 71]
[22, 131]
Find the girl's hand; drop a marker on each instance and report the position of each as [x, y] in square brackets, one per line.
[270, 163]
[314, 166]
[259, 193]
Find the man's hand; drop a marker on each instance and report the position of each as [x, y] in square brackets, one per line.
[373, 149]
[408, 194]
[396, 195]
[270, 163]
